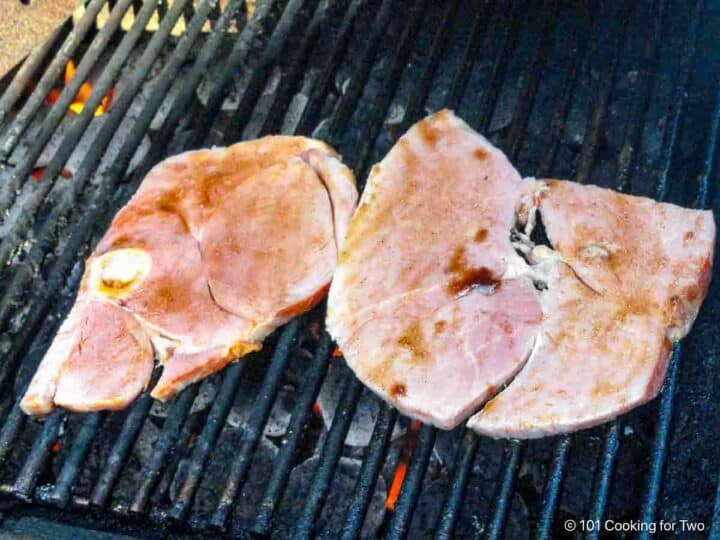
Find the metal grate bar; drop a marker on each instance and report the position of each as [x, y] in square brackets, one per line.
[298, 422]
[529, 84]
[329, 457]
[591, 139]
[203, 446]
[258, 77]
[344, 107]
[15, 420]
[27, 71]
[633, 131]
[416, 103]
[400, 54]
[11, 427]
[670, 135]
[308, 118]
[100, 88]
[57, 113]
[179, 410]
[612, 443]
[665, 411]
[511, 464]
[463, 461]
[26, 480]
[298, 63]
[634, 125]
[583, 36]
[604, 477]
[102, 195]
[236, 64]
[256, 423]
[552, 488]
[191, 425]
[120, 450]
[659, 449]
[368, 475]
[402, 516]
[47, 81]
[61, 493]
[482, 114]
[479, 28]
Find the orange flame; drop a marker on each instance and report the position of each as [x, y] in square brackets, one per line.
[396, 485]
[401, 469]
[38, 172]
[82, 95]
[316, 410]
[337, 353]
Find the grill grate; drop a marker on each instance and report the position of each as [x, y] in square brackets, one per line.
[615, 93]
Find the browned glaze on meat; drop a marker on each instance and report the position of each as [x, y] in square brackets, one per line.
[398, 390]
[481, 153]
[466, 277]
[413, 340]
[481, 235]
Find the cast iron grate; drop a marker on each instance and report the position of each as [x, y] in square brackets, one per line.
[620, 94]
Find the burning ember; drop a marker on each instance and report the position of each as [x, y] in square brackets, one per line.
[82, 96]
[38, 172]
[401, 469]
[316, 410]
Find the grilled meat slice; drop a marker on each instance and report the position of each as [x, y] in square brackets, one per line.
[627, 278]
[436, 312]
[215, 250]
[429, 302]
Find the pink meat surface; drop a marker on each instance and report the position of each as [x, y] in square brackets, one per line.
[215, 250]
[427, 303]
[437, 312]
[626, 279]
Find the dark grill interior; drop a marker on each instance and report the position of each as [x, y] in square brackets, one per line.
[286, 442]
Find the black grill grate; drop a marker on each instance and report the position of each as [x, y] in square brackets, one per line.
[621, 94]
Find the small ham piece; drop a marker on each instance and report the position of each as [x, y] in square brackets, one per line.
[215, 250]
[627, 278]
[428, 303]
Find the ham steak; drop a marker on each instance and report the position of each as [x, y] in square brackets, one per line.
[625, 279]
[216, 249]
[441, 301]
[430, 304]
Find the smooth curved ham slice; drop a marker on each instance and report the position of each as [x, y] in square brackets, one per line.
[216, 249]
[627, 278]
[428, 303]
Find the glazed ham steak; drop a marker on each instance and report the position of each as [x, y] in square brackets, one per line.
[430, 304]
[626, 279]
[215, 250]
[461, 306]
